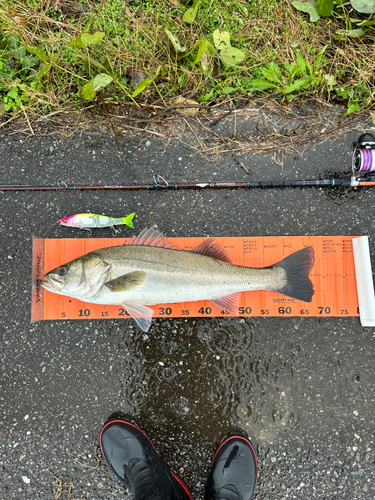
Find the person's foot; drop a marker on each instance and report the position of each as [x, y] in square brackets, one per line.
[233, 471]
[133, 459]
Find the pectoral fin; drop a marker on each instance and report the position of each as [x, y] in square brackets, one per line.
[141, 314]
[126, 281]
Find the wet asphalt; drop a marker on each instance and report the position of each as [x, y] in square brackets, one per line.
[302, 389]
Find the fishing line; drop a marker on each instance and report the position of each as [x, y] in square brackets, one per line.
[364, 155]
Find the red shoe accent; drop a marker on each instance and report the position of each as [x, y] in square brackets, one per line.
[182, 484]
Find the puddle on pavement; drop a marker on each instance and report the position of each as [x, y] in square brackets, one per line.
[190, 383]
[205, 379]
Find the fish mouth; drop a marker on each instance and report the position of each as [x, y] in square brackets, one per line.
[52, 284]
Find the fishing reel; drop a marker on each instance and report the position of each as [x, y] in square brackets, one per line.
[364, 157]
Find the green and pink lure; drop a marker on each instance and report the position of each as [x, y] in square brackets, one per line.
[92, 221]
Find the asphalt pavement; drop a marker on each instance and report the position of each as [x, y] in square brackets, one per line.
[302, 389]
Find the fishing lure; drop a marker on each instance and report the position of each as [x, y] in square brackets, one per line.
[92, 221]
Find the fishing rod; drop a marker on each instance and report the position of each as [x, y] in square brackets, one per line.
[363, 166]
[177, 185]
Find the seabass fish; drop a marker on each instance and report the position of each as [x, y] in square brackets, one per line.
[150, 270]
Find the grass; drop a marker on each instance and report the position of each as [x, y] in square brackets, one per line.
[147, 51]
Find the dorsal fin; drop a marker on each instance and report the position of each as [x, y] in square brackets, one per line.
[152, 237]
[212, 249]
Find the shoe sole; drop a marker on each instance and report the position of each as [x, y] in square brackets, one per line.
[149, 440]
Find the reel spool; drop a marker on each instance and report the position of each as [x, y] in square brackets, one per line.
[364, 155]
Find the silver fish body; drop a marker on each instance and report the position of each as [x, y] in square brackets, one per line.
[151, 271]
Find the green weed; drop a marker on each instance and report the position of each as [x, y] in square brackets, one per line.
[208, 50]
[294, 78]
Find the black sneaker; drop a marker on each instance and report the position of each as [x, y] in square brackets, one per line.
[233, 471]
[133, 459]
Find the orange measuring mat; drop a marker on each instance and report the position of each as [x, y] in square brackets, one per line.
[333, 276]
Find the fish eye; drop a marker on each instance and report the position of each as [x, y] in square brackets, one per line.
[62, 270]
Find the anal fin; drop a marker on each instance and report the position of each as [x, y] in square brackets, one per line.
[230, 302]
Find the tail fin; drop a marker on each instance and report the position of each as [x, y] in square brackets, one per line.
[297, 268]
[128, 220]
